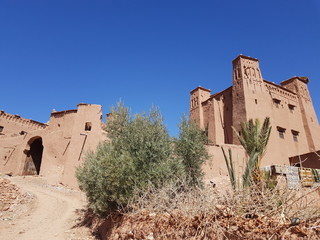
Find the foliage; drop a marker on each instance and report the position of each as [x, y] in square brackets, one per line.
[250, 169]
[140, 154]
[190, 148]
[230, 167]
[254, 139]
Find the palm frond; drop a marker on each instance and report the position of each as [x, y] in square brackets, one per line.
[230, 167]
[250, 168]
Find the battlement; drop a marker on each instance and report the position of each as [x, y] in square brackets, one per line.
[27, 122]
[279, 90]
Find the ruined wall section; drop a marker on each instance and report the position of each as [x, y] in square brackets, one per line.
[67, 137]
[87, 132]
[14, 125]
[56, 141]
[14, 132]
[11, 149]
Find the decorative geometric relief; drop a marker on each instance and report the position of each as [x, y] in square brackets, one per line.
[252, 73]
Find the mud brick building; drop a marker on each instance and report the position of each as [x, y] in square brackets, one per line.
[53, 150]
[295, 127]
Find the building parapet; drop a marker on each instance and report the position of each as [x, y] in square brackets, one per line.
[27, 122]
[286, 93]
[54, 113]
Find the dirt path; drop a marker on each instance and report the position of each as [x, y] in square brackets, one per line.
[52, 214]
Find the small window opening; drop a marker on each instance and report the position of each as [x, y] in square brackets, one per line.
[1, 128]
[291, 107]
[256, 101]
[281, 132]
[295, 135]
[88, 126]
[311, 119]
[22, 132]
[276, 102]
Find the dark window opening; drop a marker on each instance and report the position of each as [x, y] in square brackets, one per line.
[291, 107]
[1, 128]
[295, 135]
[281, 132]
[22, 132]
[281, 135]
[311, 119]
[276, 102]
[88, 126]
[256, 101]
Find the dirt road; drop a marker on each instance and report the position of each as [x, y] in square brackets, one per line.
[52, 213]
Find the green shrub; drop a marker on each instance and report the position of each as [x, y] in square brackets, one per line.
[138, 154]
[190, 148]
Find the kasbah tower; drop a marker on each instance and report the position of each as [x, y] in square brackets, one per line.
[295, 127]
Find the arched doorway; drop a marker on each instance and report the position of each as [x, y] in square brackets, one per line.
[34, 157]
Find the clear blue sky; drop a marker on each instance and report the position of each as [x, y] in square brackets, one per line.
[56, 54]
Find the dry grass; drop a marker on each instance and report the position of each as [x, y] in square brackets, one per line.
[254, 213]
[254, 201]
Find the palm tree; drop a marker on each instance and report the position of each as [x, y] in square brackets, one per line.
[254, 139]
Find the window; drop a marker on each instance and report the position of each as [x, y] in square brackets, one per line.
[88, 126]
[1, 128]
[291, 107]
[281, 132]
[276, 102]
[256, 101]
[295, 135]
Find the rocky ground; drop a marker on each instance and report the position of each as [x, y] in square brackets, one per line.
[32, 209]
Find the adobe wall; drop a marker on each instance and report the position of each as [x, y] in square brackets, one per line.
[197, 96]
[83, 139]
[295, 127]
[65, 139]
[13, 125]
[215, 168]
[311, 126]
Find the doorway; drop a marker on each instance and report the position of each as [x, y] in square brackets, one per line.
[34, 157]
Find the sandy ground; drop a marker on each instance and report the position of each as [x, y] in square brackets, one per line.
[50, 212]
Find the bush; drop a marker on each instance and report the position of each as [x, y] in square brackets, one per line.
[139, 155]
[190, 148]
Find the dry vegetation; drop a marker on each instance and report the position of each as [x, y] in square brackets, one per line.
[254, 213]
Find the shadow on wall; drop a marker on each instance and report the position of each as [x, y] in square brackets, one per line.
[33, 157]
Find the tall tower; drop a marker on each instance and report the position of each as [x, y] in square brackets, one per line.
[248, 92]
[197, 96]
[311, 126]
